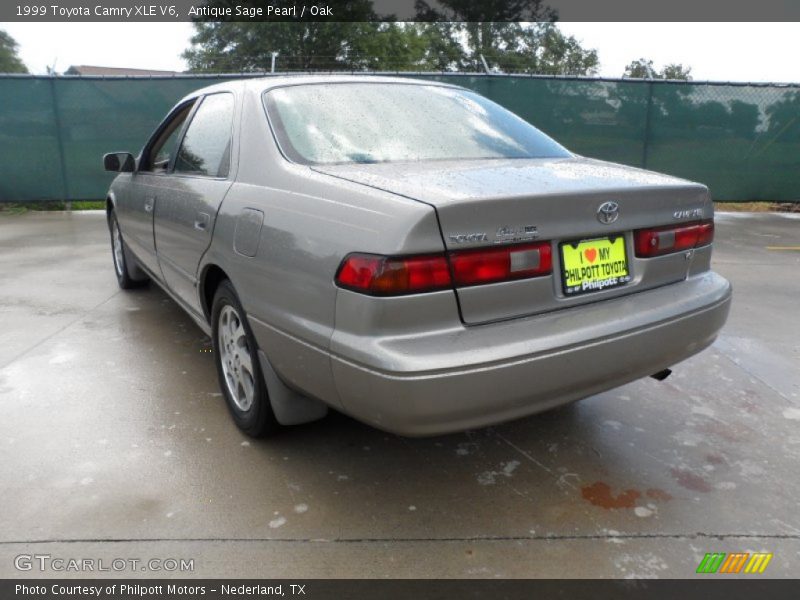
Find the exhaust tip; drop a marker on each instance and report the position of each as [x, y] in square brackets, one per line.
[662, 375]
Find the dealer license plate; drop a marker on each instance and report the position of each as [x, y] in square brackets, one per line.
[594, 265]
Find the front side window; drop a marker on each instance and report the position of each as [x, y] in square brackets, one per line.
[375, 122]
[206, 147]
[165, 145]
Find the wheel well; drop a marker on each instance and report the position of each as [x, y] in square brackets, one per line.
[209, 282]
[109, 207]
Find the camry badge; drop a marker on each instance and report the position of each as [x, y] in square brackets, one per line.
[691, 213]
[515, 233]
[608, 212]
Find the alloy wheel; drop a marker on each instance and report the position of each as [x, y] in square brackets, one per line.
[236, 358]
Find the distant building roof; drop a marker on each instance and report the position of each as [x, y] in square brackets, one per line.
[102, 71]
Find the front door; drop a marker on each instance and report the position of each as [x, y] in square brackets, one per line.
[136, 207]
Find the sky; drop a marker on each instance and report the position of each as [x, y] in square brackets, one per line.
[715, 51]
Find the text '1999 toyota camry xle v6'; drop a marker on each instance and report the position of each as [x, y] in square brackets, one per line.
[409, 253]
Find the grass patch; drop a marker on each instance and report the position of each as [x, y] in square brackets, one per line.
[88, 205]
[19, 208]
[12, 209]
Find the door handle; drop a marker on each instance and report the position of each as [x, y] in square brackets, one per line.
[201, 223]
[149, 203]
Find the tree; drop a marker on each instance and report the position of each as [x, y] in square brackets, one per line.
[537, 48]
[510, 35]
[640, 69]
[677, 71]
[549, 51]
[370, 45]
[9, 60]
[404, 47]
[221, 46]
[643, 69]
[319, 46]
[246, 47]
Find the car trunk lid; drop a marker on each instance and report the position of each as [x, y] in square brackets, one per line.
[481, 204]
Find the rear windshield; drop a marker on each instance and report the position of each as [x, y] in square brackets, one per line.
[371, 122]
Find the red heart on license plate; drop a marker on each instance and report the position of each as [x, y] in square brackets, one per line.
[591, 254]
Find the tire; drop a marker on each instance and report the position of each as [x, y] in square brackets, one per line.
[119, 254]
[236, 357]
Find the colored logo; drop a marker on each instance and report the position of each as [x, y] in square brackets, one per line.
[736, 562]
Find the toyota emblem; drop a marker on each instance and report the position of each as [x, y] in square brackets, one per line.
[608, 212]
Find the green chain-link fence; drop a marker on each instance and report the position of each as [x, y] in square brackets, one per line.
[742, 140]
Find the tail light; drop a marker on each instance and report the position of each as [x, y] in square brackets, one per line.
[385, 276]
[394, 276]
[475, 267]
[666, 240]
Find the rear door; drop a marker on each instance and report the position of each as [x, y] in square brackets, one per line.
[188, 200]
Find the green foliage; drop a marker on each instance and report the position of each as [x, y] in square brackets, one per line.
[400, 47]
[17, 208]
[88, 205]
[374, 46]
[643, 69]
[9, 61]
[676, 71]
[640, 69]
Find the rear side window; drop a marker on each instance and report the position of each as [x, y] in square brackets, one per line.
[206, 147]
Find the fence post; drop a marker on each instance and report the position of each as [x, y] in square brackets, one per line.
[60, 143]
[647, 118]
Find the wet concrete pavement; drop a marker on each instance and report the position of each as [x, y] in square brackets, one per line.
[115, 443]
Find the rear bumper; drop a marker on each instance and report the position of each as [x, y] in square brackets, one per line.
[469, 377]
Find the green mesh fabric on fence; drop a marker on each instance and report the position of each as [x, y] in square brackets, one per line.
[743, 141]
[29, 151]
[54, 131]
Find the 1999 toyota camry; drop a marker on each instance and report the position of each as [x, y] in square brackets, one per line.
[409, 253]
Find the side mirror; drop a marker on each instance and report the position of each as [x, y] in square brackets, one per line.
[119, 162]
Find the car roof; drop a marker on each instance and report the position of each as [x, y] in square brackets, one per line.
[261, 84]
